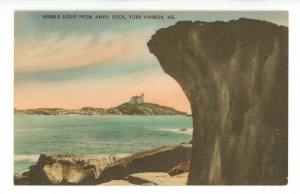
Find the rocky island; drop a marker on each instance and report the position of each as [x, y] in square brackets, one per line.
[136, 106]
[123, 109]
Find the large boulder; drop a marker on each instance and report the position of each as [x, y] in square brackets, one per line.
[235, 76]
[66, 169]
[157, 160]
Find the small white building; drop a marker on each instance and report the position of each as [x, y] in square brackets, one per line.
[137, 99]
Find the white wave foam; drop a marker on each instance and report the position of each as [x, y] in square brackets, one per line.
[34, 158]
[29, 158]
[186, 131]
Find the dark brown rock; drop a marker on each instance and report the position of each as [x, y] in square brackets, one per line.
[235, 75]
[66, 170]
[180, 168]
[156, 160]
[21, 180]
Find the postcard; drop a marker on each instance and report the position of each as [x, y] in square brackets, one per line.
[151, 98]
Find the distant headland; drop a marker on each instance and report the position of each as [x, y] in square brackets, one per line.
[135, 106]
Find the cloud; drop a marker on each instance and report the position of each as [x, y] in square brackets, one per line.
[84, 72]
[60, 51]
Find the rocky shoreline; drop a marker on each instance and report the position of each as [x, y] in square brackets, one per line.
[166, 165]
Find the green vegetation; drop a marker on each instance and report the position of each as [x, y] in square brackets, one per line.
[147, 109]
[142, 105]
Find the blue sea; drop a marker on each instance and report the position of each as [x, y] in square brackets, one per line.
[93, 135]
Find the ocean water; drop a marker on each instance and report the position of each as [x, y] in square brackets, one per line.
[93, 135]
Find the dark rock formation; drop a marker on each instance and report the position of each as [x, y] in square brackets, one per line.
[92, 111]
[180, 168]
[157, 160]
[235, 75]
[21, 180]
[64, 170]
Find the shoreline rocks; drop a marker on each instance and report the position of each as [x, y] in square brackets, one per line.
[64, 170]
[86, 170]
[160, 159]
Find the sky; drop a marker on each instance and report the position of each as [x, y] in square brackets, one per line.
[78, 62]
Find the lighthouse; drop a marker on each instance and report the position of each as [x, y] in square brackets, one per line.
[137, 99]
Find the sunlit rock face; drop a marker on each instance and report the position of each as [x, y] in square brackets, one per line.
[65, 170]
[235, 75]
